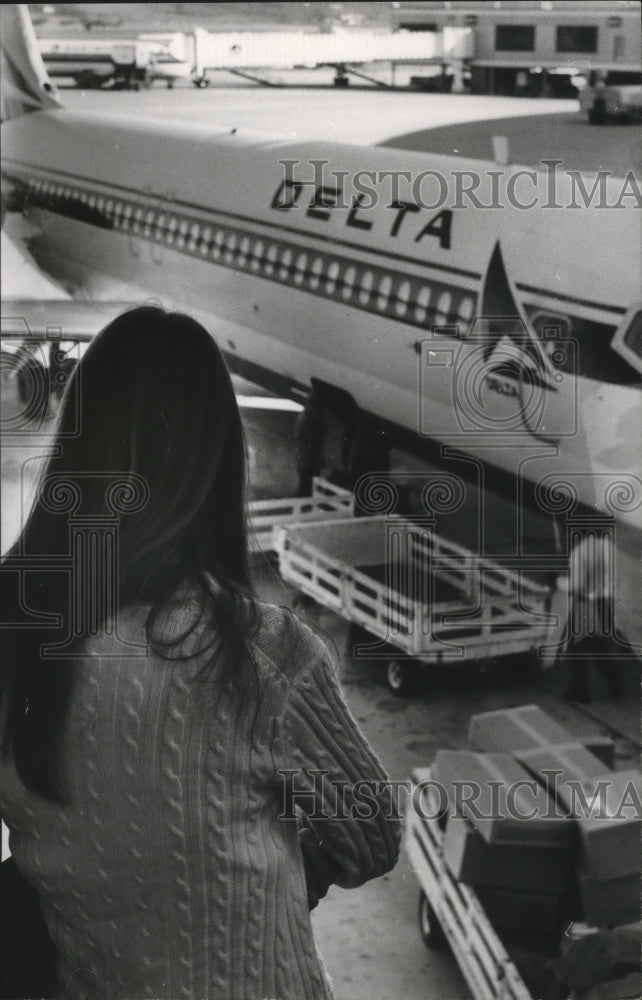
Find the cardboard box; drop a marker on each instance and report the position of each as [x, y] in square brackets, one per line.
[531, 911]
[610, 902]
[501, 800]
[606, 807]
[521, 867]
[528, 727]
[556, 765]
[610, 825]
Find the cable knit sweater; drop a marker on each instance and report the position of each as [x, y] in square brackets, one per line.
[170, 874]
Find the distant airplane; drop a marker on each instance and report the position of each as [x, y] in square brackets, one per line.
[425, 315]
[95, 62]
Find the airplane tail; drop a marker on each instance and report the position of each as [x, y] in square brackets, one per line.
[25, 83]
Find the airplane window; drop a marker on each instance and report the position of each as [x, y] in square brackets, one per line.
[385, 287]
[244, 249]
[333, 274]
[271, 257]
[315, 272]
[403, 295]
[423, 301]
[443, 308]
[230, 249]
[206, 237]
[257, 256]
[367, 280]
[348, 281]
[183, 226]
[194, 233]
[171, 229]
[300, 268]
[464, 316]
[138, 218]
[465, 310]
[286, 260]
[219, 240]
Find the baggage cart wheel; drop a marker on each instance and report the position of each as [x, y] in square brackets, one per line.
[431, 931]
[402, 677]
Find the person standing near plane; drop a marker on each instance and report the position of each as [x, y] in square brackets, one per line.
[584, 607]
[590, 638]
[157, 721]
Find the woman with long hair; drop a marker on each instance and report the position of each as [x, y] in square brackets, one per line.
[161, 729]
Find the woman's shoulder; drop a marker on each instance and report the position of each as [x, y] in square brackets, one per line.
[290, 645]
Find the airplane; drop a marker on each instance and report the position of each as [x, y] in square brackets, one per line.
[427, 305]
[131, 64]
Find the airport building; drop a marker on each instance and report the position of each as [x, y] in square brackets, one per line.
[537, 48]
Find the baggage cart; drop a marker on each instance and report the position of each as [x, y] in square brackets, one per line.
[451, 914]
[326, 503]
[428, 599]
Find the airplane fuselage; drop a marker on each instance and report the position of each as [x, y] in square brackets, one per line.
[462, 302]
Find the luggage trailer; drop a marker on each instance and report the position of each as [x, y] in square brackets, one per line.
[428, 600]
[450, 914]
[327, 502]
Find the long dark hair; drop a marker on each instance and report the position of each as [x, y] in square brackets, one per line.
[149, 436]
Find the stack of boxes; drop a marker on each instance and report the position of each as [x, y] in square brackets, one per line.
[508, 843]
[541, 826]
[606, 807]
